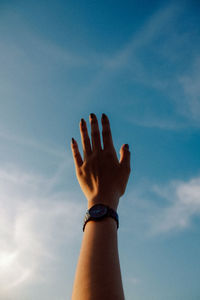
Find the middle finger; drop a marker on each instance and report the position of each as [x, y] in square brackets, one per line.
[95, 134]
[85, 139]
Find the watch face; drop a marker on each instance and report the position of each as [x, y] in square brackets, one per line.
[98, 211]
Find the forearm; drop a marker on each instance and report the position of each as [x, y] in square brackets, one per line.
[98, 274]
[103, 179]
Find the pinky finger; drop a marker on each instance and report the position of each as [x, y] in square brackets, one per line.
[76, 154]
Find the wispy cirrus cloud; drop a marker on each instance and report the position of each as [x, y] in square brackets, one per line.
[153, 58]
[40, 50]
[126, 56]
[167, 64]
[28, 142]
[190, 83]
[156, 57]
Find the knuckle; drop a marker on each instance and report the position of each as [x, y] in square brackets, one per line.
[84, 133]
[85, 167]
[106, 133]
[95, 134]
[76, 154]
[83, 130]
[79, 172]
[86, 140]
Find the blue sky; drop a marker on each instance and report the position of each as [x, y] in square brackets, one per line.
[138, 62]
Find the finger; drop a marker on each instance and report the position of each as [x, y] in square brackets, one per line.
[87, 150]
[76, 154]
[125, 156]
[95, 134]
[106, 133]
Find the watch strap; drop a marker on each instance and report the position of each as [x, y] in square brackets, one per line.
[110, 213]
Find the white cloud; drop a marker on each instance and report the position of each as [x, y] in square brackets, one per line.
[164, 209]
[182, 204]
[33, 228]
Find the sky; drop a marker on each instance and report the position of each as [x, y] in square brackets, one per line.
[139, 63]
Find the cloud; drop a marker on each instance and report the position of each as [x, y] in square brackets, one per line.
[34, 226]
[67, 58]
[157, 122]
[126, 56]
[156, 57]
[166, 209]
[150, 30]
[168, 67]
[153, 57]
[190, 83]
[38, 49]
[28, 142]
[182, 204]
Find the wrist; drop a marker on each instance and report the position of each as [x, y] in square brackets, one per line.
[103, 225]
[111, 201]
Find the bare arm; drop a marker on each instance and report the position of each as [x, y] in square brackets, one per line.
[103, 179]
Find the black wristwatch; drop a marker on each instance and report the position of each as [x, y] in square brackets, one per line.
[99, 212]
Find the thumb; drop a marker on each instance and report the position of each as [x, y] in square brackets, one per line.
[125, 157]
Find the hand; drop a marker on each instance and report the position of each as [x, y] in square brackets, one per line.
[101, 176]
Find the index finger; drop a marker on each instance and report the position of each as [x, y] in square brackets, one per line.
[76, 154]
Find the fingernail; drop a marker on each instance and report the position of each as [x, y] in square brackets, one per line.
[104, 117]
[126, 146]
[72, 141]
[82, 122]
[92, 116]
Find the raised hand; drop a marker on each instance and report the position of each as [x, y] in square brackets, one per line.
[102, 177]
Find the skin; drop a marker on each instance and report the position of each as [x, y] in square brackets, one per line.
[103, 179]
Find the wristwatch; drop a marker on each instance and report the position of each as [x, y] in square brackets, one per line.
[98, 212]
